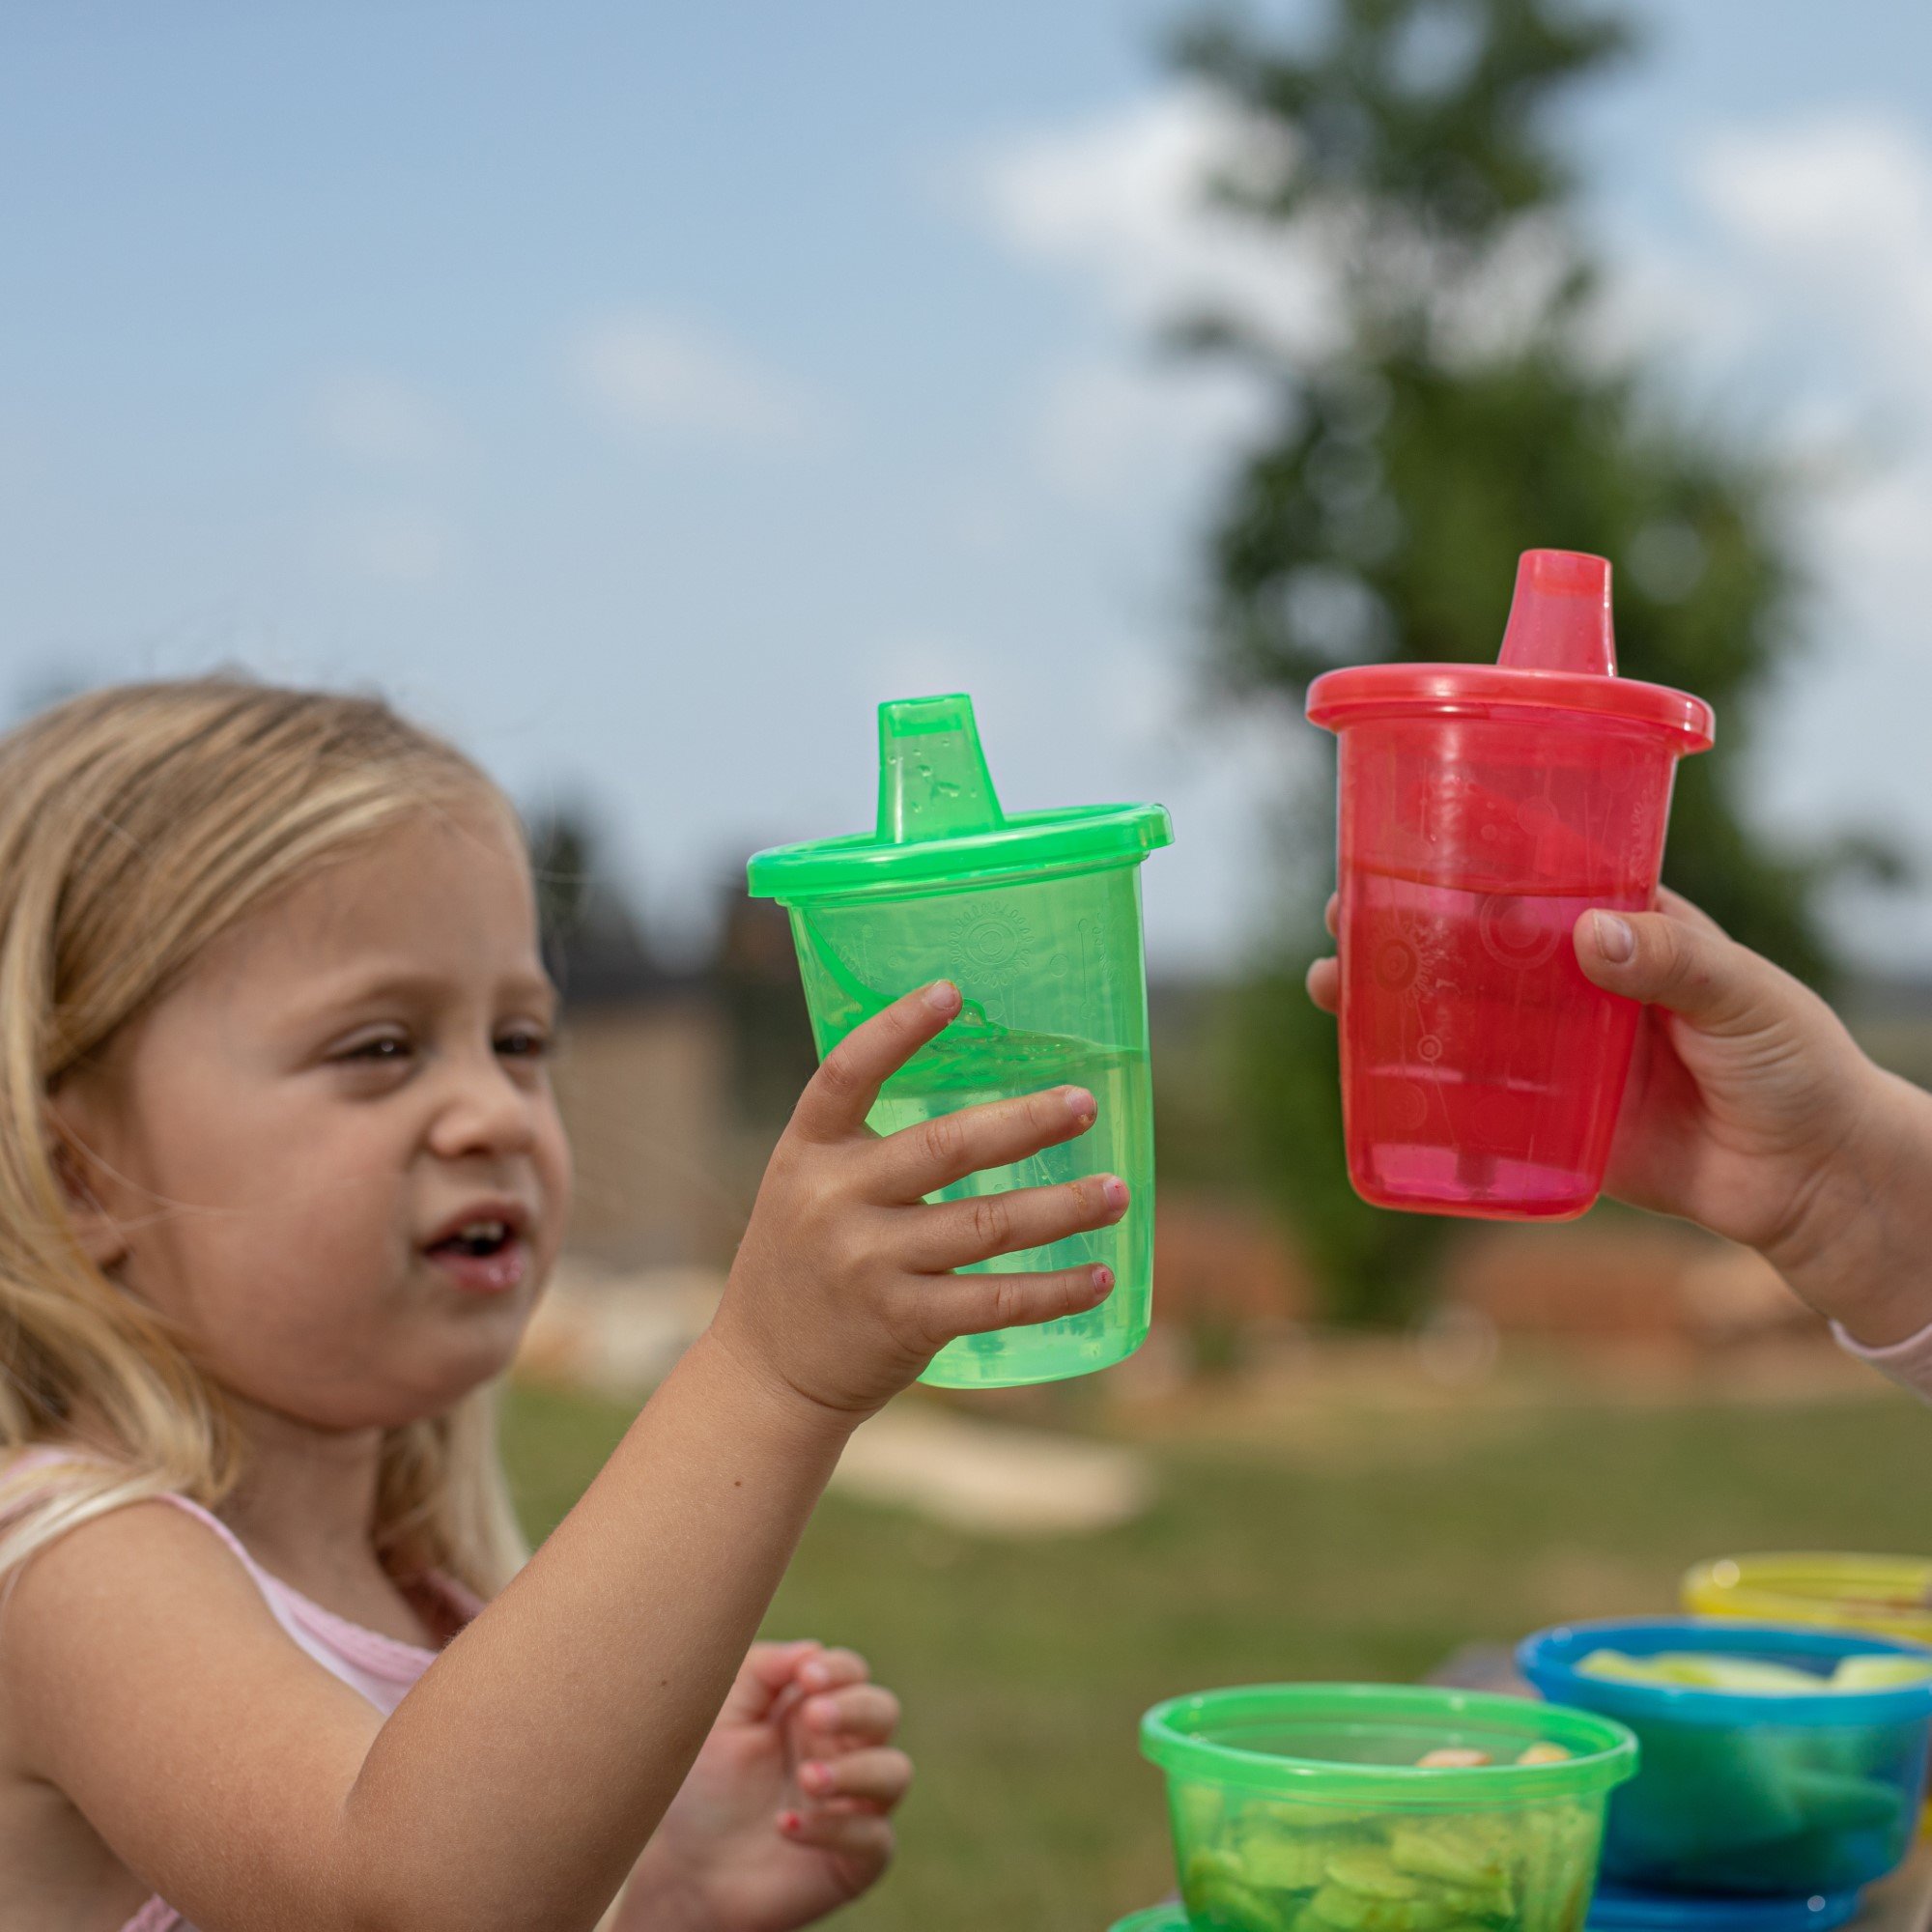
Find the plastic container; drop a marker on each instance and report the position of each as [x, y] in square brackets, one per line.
[1891, 1596]
[1616, 1909]
[1776, 1794]
[1303, 1806]
[1037, 917]
[1171, 1917]
[1482, 808]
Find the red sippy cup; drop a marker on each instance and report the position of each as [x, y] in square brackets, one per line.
[1483, 808]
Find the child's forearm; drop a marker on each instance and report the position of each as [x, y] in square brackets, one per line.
[518, 1781]
[1858, 1244]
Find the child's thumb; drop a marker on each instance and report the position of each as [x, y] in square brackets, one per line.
[1688, 969]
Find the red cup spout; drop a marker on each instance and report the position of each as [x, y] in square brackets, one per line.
[1560, 616]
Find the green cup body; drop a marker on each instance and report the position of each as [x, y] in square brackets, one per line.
[1051, 969]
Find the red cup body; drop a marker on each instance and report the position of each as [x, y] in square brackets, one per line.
[1481, 1071]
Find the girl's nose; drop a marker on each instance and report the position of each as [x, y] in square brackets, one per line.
[486, 1111]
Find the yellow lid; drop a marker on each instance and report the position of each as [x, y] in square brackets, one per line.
[1891, 1596]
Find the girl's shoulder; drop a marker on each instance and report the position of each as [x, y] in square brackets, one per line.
[63, 1491]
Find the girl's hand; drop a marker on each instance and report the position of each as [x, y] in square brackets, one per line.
[786, 1815]
[1750, 1110]
[844, 1287]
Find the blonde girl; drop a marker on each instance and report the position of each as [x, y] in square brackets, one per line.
[280, 1179]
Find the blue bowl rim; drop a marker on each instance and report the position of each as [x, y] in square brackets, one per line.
[1547, 1657]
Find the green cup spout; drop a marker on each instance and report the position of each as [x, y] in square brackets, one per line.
[934, 782]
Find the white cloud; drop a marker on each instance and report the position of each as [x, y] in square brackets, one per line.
[1118, 206]
[376, 418]
[654, 373]
[1120, 200]
[1829, 218]
[1821, 226]
[1841, 204]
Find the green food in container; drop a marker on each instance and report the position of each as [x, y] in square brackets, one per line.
[1757, 1677]
[1305, 1809]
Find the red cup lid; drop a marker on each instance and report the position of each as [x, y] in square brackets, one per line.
[1558, 654]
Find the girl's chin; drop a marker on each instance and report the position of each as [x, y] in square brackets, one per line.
[423, 1373]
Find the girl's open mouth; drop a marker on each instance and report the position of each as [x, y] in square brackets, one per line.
[486, 1258]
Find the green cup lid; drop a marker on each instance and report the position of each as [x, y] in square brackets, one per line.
[941, 822]
[1169, 1917]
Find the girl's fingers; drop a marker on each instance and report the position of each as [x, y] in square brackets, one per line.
[882, 1777]
[1331, 915]
[867, 1712]
[919, 1160]
[862, 1836]
[948, 1306]
[840, 1096]
[831, 1669]
[1325, 984]
[1686, 968]
[768, 1672]
[956, 1234]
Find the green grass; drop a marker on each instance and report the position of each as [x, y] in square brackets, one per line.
[1025, 1667]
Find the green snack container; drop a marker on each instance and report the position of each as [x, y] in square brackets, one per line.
[1037, 917]
[1303, 1808]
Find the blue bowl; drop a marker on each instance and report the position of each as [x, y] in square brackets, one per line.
[1735, 1792]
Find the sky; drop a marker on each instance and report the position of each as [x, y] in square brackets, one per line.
[640, 395]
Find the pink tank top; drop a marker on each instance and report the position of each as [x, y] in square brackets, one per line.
[382, 1669]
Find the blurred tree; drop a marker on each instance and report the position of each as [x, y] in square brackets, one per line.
[593, 944]
[1468, 406]
[756, 972]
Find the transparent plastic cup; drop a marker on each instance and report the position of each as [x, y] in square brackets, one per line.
[1482, 808]
[1304, 1808]
[1037, 917]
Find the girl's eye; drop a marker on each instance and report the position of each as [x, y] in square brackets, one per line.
[387, 1048]
[525, 1044]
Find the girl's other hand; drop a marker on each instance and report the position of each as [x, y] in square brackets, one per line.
[1751, 1111]
[786, 1815]
[843, 1289]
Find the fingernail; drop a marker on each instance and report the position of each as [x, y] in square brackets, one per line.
[1103, 1282]
[1616, 941]
[790, 1821]
[813, 1675]
[943, 997]
[822, 1710]
[1080, 1103]
[815, 1777]
[1115, 1189]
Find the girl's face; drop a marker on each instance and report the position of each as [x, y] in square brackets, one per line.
[285, 1144]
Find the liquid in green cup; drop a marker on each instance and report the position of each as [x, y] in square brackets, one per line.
[1037, 917]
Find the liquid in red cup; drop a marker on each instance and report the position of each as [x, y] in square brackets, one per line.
[1483, 808]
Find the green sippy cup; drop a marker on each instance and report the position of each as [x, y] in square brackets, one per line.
[1037, 917]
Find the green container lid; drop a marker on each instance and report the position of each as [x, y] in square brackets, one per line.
[1244, 1737]
[1169, 1917]
[941, 822]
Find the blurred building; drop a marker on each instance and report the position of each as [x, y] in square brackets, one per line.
[673, 1081]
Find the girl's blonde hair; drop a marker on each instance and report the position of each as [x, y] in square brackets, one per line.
[137, 824]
